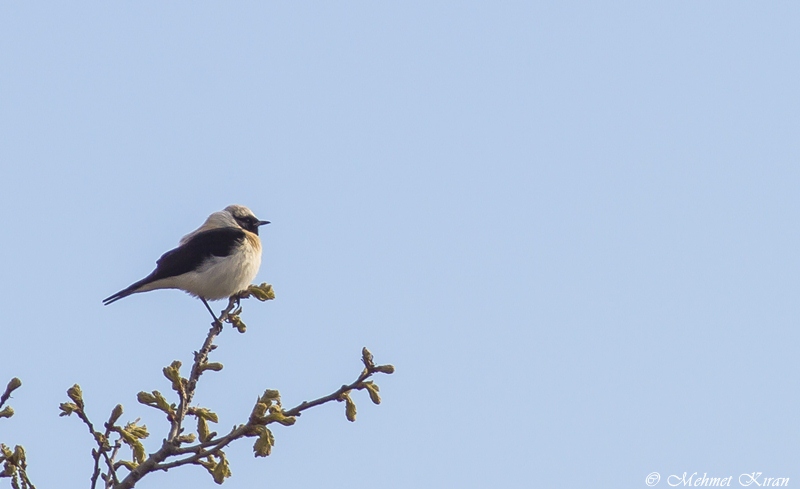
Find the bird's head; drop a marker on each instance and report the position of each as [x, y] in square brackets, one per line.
[245, 218]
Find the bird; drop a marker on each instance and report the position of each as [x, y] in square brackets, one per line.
[213, 262]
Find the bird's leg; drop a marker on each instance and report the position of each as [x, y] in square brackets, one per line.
[216, 321]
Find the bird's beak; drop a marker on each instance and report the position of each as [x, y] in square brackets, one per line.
[261, 223]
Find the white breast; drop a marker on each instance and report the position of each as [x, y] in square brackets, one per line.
[221, 277]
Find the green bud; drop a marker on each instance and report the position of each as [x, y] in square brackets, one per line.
[288, 420]
[146, 398]
[262, 292]
[68, 408]
[258, 413]
[13, 385]
[202, 430]
[115, 414]
[387, 369]
[215, 366]
[138, 452]
[18, 458]
[270, 395]
[206, 414]
[237, 323]
[173, 374]
[9, 470]
[137, 431]
[279, 417]
[373, 389]
[188, 438]
[366, 357]
[162, 404]
[156, 400]
[7, 412]
[76, 395]
[350, 407]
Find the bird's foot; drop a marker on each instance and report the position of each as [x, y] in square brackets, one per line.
[217, 322]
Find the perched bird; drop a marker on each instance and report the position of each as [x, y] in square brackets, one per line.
[217, 260]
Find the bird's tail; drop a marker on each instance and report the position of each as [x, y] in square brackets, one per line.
[126, 292]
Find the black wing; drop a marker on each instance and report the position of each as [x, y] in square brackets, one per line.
[188, 257]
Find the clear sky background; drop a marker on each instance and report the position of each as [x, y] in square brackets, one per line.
[572, 227]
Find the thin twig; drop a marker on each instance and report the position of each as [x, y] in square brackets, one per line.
[23, 472]
[95, 453]
[111, 470]
[335, 396]
[200, 452]
[216, 445]
[112, 481]
[200, 358]
[100, 451]
[194, 454]
[170, 445]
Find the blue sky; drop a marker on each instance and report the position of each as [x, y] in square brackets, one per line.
[572, 227]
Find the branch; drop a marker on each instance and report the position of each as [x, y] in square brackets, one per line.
[186, 389]
[201, 453]
[206, 448]
[15, 464]
[369, 370]
[229, 314]
[77, 406]
[13, 385]
[202, 450]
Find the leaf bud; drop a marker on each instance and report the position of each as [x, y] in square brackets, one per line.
[350, 407]
[115, 414]
[67, 408]
[367, 358]
[259, 411]
[188, 438]
[18, 458]
[145, 398]
[215, 366]
[202, 430]
[76, 395]
[270, 395]
[387, 369]
[173, 374]
[9, 470]
[13, 385]
[206, 414]
[373, 389]
[137, 431]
